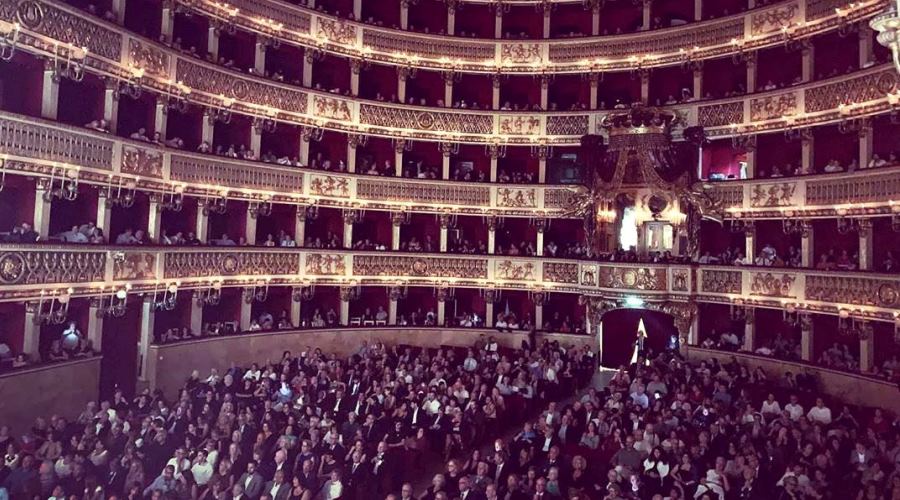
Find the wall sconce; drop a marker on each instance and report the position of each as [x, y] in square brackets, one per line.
[447, 220]
[740, 226]
[495, 150]
[847, 225]
[9, 40]
[169, 297]
[304, 293]
[133, 87]
[267, 125]
[448, 148]
[895, 218]
[845, 27]
[538, 297]
[68, 62]
[68, 186]
[402, 144]
[792, 225]
[210, 295]
[178, 100]
[116, 303]
[398, 292]
[258, 292]
[740, 55]
[312, 133]
[541, 151]
[120, 199]
[261, 208]
[737, 312]
[218, 206]
[311, 211]
[688, 61]
[53, 309]
[2, 174]
[173, 201]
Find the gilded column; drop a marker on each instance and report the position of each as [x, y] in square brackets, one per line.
[209, 127]
[540, 226]
[296, 306]
[547, 7]
[300, 226]
[353, 142]
[160, 116]
[807, 244]
[595, 16]
[806, 337]
[168, 21]
[154, 218]
[399, 148]
[202, 224]
[543, 156]
[95, 324]
[446, 151]
[866, 54]
[498, 20]
[259, 55]
[355, 70]
[404, 14]
[751, 72]
[698, 80]
[494, 154]
[247, 297]
[305, 136]
[104, 213]
[444, 220]
[212, 40]
[397, 220]
[865, 142]
[492, 234]
[490, 296]
[449, 78]
[394, 296]
[866, 244]
[350, 217]
[807, 149]
[42, 207]
[403, 74]
[545, 92]
[308, 58]
[148, 319]
[50, 92]
[750, 240]
[32, 335]
[118, 10]
[698, 10]
[443, 294]
[357, 10]
[256, 130]
[750, 330]
[196, 312]
[539, 298]
[809, 59]
[250, 219]
[866, 347]
[345, 293]
[111, 104]
[451, 17]
[594, 79]
[495, 92]
[645, 85]
[646, 15]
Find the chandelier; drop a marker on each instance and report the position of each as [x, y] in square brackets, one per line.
[887, 24]
[53, 308]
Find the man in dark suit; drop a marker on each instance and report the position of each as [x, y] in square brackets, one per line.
[277, 488]
[501, 469]
[382, 470]
[357, 477]
[466, 492]
[252, 481]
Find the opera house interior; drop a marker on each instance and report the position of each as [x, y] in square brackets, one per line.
[450, 249]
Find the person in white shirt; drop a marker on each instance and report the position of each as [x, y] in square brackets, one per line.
[794, 409]
[202, 469]
[770, 407]
[179, 462]
[819, 413]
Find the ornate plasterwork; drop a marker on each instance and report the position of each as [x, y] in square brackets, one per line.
[51, 267]
[329, 107]
[192, 264]
[462, 194]
[419, 267]
[40, 142]
[325, 265]
[336, 31]
[854, 290]
[148, 57]
[589, 275]
[773, 107]
[134, 265]
[681, 280]
[852, 90]
[577, 125]
[214, 81]
[140, 161]
[870, 188]
[520, 53]
[514, 270]
[428, 120]
[772, 284]
[773, 20]
[517, 197]
[520, 125]
[720, 115]
[633, 278]
[327, 185]
[772, 195]
[220, 172]
[561, 272]
[720, 281]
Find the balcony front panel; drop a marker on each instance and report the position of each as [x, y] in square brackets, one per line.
[853, 96]
[144, 269]
[763, 27]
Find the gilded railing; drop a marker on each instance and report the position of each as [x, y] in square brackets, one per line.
[864, 192]
[39, 148]
[26, 271]
[172, 74]
[752, 30]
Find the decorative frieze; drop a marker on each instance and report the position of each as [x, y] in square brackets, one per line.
[214, 263]
[633, 278]
[561, 272]
[421, 267]
[773, 195]
[143, 162]
[218, 171]
[218, 82]
[720, 281]
[772, 284]
[853, 290]
[54, 144]
[31, 267]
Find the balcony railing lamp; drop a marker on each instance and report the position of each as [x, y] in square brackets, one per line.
[210, 295]
[218, 206]
[124, 196]
[9, 39]
[887, 24]
[68, 186]
[173, 201]
[115, 304]
[53, 308]
[261, 208]
[168, 299]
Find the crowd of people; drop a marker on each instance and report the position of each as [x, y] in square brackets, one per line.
[494, 423]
